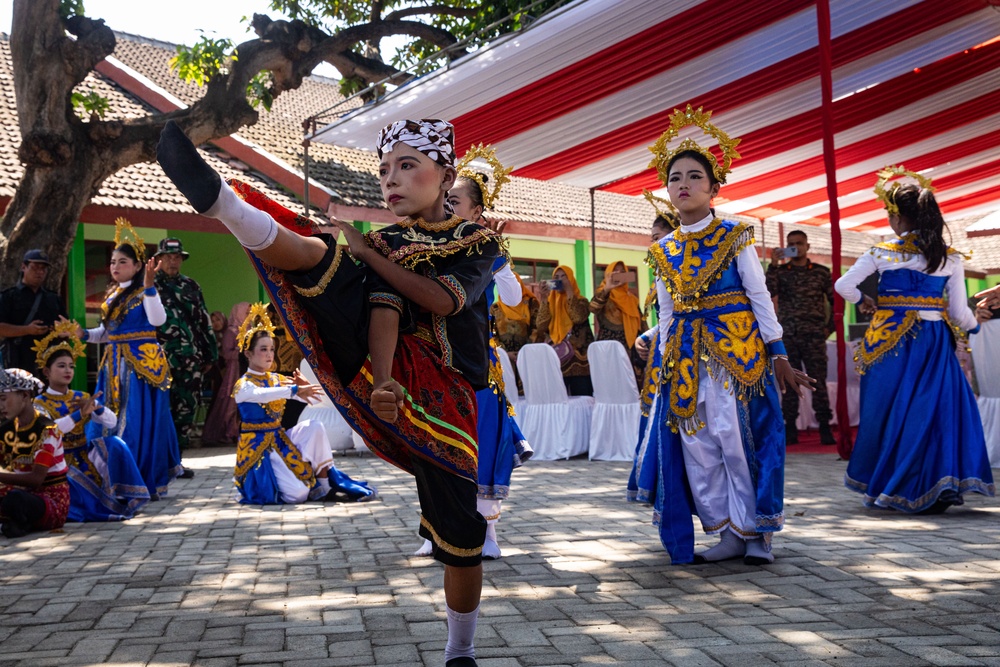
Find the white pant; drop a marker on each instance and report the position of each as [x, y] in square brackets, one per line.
[716, 465]
[309, 437]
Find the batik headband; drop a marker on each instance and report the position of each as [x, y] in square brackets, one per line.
[16, 379]
[432, 137]
[888, 195]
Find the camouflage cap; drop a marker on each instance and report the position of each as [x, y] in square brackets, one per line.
[171, 246]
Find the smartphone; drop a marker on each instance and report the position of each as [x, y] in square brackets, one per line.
[554, 285]
[790, 252]
[629, 277]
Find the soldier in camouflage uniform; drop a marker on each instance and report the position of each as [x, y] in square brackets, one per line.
[803, 292]
[187, 337]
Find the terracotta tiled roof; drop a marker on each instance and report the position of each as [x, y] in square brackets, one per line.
[141, 186]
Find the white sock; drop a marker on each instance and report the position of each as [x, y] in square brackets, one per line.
[253, 228]
[730, 546]
[758, 548]
[426, 549]
[461, 633]
[491, 550]
[324, 484]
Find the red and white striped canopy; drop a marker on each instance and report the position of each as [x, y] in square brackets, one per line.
[580, 95]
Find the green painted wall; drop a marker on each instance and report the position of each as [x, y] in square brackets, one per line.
[222, 268]
[553, 251]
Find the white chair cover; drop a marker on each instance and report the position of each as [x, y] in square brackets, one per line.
[338, 432]
[614, 427]
[509, 379]
[556, 425]
[986, 358]
[807, 418]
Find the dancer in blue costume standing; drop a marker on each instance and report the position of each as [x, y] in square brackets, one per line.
[721, 432]
[104, 480]
[274, 465]
[134, 377]
[645, 466]
[502, 446]
[920, 446]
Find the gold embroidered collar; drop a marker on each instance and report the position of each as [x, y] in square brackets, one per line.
[441, 226]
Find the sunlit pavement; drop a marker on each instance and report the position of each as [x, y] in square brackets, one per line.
[200, 579]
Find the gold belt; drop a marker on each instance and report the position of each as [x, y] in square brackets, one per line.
[135, 335]
[912, 302]
[266, 426]
[711, 301]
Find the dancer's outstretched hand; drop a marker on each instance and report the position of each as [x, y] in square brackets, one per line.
[307, 392]
[80, 333]
[387, 401]
[990, 297]
[788, 378]
[152, 266]
[355, 239]
[495, 225]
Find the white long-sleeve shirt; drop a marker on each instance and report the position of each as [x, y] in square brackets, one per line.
[151, 303]
[754, 284]
[106, 417]
[880, 261]
[251, 393]
[508, 288]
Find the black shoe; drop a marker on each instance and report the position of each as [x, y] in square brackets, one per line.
[186, 473]
[826, 435]
[791, 434]
[939, 507]
[183, 165]
[462, 661]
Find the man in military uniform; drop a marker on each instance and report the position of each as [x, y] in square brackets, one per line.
[803, 295]
[27, 312]
[186, 337]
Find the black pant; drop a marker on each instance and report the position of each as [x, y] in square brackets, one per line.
[808, 351]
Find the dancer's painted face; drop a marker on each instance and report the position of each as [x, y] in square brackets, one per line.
[123, 267]
[60, 372]
[460, 198]
[412, 183]
[689, 186]
[261, 354]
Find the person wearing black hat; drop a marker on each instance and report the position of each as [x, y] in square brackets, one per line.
[27, 311]
[187, 337]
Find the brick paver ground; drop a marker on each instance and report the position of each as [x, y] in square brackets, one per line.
[200, 580]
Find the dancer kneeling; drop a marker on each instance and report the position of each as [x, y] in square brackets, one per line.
[34, 495]
[104, 480]
[398, 340]
[274, 465]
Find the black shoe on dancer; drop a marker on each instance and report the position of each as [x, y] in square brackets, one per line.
[183, 165]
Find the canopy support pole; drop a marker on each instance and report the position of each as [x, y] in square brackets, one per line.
[845, 441]
[593, 242]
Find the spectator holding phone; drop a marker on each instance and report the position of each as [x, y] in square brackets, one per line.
[803, 296]
[564, 323]
[619, 316]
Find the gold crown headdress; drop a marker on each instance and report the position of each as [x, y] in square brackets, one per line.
[663, 207]
[501, 174]
[257, 320]
[678, 121]
[125, 234]
[888, 195]
[65, 333]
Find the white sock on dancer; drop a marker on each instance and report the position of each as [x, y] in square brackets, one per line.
[253, 228]
[426, 549]
[491, 550]
[461, 634]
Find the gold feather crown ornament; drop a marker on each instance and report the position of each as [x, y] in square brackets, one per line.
[125, 234]
[663, 207]
[257, 320]
[62, 337]
[888, 195]
[501, 174]
[662, 153]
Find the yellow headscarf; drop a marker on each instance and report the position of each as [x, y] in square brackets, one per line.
[626, 302]
[522, 311]
[561, 323]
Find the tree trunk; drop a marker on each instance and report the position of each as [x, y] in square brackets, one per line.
[43, 214]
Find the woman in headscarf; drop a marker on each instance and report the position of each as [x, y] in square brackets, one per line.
[223, 422]
[516, 324]
[618, 314]
[396, 330]
[564, 323]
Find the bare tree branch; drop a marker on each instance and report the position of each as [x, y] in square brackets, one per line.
[446, 10]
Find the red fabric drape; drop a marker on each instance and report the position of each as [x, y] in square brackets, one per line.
[845, 441]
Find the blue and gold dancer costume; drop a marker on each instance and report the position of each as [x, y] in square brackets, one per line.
[134, 378]
[921, 444]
